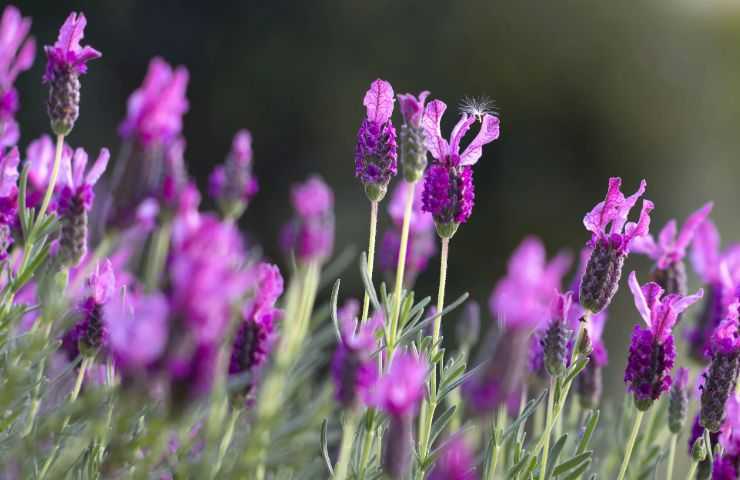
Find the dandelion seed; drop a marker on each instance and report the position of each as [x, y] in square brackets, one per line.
[477, 107]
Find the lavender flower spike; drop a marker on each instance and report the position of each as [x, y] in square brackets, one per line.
[75, 200]
[456, 461]
[670, 249]
[66, 61]
[555, 339]
[232, 184]
[678, 404]
[310, 235]
[722, 376]
[8, 198]
[375, 153]
[17, 52]
[652, 351]
[413, 148]
[448, 183]
[600, 281]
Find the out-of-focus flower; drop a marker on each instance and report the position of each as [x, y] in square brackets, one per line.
[66, 61]
[720, 380]
[678, 403]
[456, 461]
[448, 183]
[413, 145]
[310, 235]
[555, 338]
[600, 280]
[233, 185]
[8, 198]
[652, 351]
[375, 153]
[17, 52]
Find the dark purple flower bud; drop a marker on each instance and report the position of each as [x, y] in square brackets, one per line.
[353, 369]
[413, 147]
[375, 153]
[66, 61]
[310, 235]
[600, 280]
[191, 373]
[590, 385]
[678, 402]
[557, 334]
[398, 447]
[672, 278]
[721, 378]
[448, 183]
[233, 185]
[456, 462]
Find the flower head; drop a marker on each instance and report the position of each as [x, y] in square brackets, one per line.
[67, 55]
[678, 403]
[155, 109]
[456, 461]
[412, 107]
[399, 391]
[376, 150]
[232, 184]
[556, 335]
[77, 183]
[17, 52]
[413, 144]
[310, 235]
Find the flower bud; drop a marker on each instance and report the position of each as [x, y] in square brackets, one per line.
[600, 281]
[678, 401]
[73, 231]
[64, 101]
[583, 344]
[699, 450]
[413, 153]
[554, 345]
[672, 279]
[398, 447]
[722, 376]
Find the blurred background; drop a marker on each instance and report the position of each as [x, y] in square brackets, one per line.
[585, 90]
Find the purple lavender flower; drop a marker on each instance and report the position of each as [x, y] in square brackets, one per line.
[720, 271]
[155, 109]
[456, 462]
[678, 403]
[353, 369]
[192, 371]
[448, 183]
[720, 380]
[670, 249]
[729, 436]
[310, 235]
[75, 200]
[255, 337]
[89, 333]
[17, 52]
[556, 335]
[375, 153]
[8, 198]
[413, 148]
[233, 185]
[66, 61]
[725, 468]
[600, 281]
[652, 352]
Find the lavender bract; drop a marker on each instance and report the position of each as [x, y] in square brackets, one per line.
[652, 351]
[600, 280]
[17, 53]
[448, 183]
[722, 376]
[376, 150]
[66, 61]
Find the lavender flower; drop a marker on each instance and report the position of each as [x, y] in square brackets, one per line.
[232, 184]
[448, 183]
[66, 61]
[456, 462]
[310, 235]
[398, 394]
[155, 109]
[600, 281]
[90, 334]
[191, 372]
[353, 369]
[17, 52]
[413, 148]
[652, 352]
[8, 198]
[555, 339]
[670, 249]
[724, 468]
[678, 403]
[722, 376]
[375, 153]
[719, 270]
[75, 200]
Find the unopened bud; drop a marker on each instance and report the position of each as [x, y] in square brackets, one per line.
[555, 346]
[600, 281]
[699, 450]
[64, 101]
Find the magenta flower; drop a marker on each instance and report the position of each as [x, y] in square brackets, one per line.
[353, 369]
[448, 184]
[652, 352]
[600, 281]
[413, 144]
[729, 436]
[670, 249]
[233, 184]
[725, 468]
[192, 371]
[556, 335]
[375, 153]
[155, 109]
[412, 108]
[721, 378]
[399, 391]
[310, 235]
[8, 198]
[456, 462]
[17, 52]
[66, 61]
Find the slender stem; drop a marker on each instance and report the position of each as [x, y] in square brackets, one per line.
[367, 442]
[427, 408]
[708, 443]
[401, 266]
[157, 256]
[495, 447]
[548, 416]
[692, 470]
[370, 256]
[630, 445]
[671, 457]
[225, 442]
[345, 449]
[53, 177]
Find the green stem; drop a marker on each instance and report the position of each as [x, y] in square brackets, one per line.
[692, 470]
[548, 415]
[157, 256]
[52, 178]
[367, 442]
[345, 449]
[630, 445]
[401, 266]
[370, 256]
[495, 447]
[225, 442]
[671, 457]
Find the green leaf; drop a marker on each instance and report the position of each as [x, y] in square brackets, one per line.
[325, 447]
[333, 303]
[578, 471]
[441, 423]
[528, 411]
[369, 288]
[555, 453]
[573, 463]
[593, 420]
[427, 321]
[518, 466]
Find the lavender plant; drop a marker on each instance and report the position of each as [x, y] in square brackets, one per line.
[142, 336]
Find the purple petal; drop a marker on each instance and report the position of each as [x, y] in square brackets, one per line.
[689, 228]
[646, 245]
[489, 131]
[434, 141]
[461, 128]
[705, 251]
[9, 171]
[412, 108]
[604, 212]
[642, 227]
[683, 303]
[379, 101]
[98, 168]
[623, 209]
[71, 33]
[79, 162]
[640, 302]
[667, 236]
